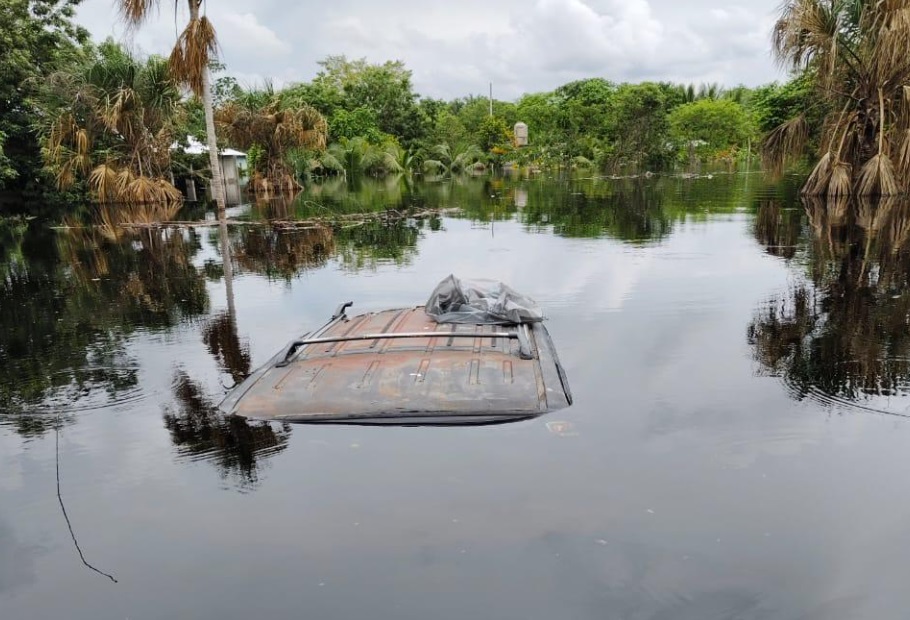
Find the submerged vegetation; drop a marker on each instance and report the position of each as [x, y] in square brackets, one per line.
[195, 49]
[856, 55]
[111, 126]
[271, 127]
[93, 122]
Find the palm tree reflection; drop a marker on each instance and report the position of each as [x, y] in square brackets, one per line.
[843, 333]
[196, 426]
[282, 252]
[778, 228]
[220, 334]
[237, 447]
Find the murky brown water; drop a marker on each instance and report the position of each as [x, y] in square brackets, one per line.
[740, 364]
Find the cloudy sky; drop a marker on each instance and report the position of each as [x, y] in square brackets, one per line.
[458, 48]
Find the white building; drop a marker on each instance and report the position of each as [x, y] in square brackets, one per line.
[233, 167]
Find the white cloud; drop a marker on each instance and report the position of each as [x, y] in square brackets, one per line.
[455, 49]
[571, 35]
[243, 33]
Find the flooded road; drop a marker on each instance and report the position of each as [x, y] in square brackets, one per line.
[739, 361]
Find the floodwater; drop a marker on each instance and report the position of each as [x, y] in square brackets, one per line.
[740, 363]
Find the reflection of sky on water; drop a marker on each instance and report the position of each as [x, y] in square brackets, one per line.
[689, 488]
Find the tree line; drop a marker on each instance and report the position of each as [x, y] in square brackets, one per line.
[85, 121]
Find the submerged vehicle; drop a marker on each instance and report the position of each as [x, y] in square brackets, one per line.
[405, 367]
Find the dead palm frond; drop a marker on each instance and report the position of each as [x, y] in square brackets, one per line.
[263, 122]
[103, 182]
[171, 196]
[134, 12]
[840, 183]
[119, 121]
[142, 190]
[858, 55]
[818, 182]
[196, 47]
[123, 180]
[878, 178]
[785, 143]
[903, 160]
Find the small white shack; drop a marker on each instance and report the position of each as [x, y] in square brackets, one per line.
[233, 167]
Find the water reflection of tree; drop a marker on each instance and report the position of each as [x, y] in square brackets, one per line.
[779, 228]
[282, 252]
[631, 211]
[367, 245]
[147, 277]
[634, 210]
[236, 446]
[220, 334]
[196, 426]
[70, 302]
[844, 332]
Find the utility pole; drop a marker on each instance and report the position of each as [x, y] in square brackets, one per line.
[491, 98]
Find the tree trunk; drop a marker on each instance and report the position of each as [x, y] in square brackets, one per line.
[211, 140]
[217, 175]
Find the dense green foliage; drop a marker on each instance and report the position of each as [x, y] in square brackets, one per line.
[710, 127]
[375, 123]
[38, 37]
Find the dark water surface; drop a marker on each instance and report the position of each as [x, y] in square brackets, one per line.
[740, 363]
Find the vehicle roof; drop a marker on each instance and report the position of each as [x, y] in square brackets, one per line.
[475, 376]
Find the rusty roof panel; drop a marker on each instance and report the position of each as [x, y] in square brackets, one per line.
[387, 372]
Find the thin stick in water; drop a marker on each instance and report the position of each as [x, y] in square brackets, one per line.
[63, 508]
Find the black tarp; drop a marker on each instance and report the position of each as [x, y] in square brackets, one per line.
[480, 302]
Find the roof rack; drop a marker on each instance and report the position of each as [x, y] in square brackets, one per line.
[520, 334]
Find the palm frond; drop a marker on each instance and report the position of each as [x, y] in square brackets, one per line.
[433, 165]
[785, 143]
[196, 47]
[134, 12]
[103, 183]
[329, 162]
[840, 183]
[903, 160]
[820, 178]
[878, 177]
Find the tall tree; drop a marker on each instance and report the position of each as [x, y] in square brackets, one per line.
[38, 37]
[857, 53]
[384, 89]
[267, 125]
[706, 127]
[639, 131]
[110, 125]
[196, 48]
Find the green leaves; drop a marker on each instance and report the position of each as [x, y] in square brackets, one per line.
[37, 38]
[710, 128]
[355, 90]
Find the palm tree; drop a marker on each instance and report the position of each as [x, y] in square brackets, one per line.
[858, 54]
[452, 160]
[347, 156]
[196, 48]
[110, 124]
[383, 159]
[270, 128]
